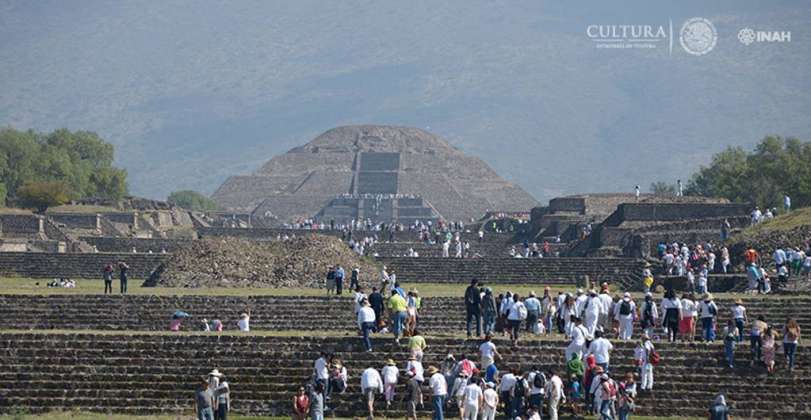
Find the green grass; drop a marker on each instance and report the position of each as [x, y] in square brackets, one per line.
[794, 219]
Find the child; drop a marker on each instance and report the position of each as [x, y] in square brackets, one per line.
[730, 339]
[768, 349]
[575, 392]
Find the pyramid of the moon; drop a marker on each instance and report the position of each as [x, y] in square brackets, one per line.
[380, 172]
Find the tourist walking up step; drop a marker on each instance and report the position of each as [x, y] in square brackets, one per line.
[123, 268]
[204, 401]
[537, 384]
[376, 301]
[390, 375]
[601, 349]
[353, 279]
[518, 313]
[707, 312]
[439, 391]
[719, 409]
[473, 399]
[533, 312]
[487, 352]
[417, 345]
[769, 350]
[578, 344]
[366, 323]
[608, 396]
[554, 393]
[739, 316]
[371, 384]
[645, 356]
[590, 312]
[301, 404]
[756, 332]
[490, 404]
[791, 338]
[397, 308]
[730, 340]
[107, 274]
[473, 304]
[413, 304]
[671, 305]
[489, 311]
[625, 313]
[339, 280]
[413, 396]
[626, 398]
[606, 303]
[649, 314]
[687, 324]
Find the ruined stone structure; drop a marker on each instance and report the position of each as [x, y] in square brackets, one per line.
[341, 173]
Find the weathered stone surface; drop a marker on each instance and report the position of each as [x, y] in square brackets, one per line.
[300, 182]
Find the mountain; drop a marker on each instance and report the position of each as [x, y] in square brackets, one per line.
[191, 92]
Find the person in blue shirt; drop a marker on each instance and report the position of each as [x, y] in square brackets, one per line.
[491, 373]
[339, 280]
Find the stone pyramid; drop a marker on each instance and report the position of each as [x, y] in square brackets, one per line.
[351, 162]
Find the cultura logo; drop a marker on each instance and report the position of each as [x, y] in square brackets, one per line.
[746, 36]
[698, 36]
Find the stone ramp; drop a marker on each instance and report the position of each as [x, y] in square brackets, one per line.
[157, 374]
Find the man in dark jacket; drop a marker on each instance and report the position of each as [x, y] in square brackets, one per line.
[376, 302]
[473, 301]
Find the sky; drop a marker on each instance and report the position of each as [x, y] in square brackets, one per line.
[191, 92]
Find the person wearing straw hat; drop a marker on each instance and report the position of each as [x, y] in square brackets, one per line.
[707, 311]
[439, 391]
[390, 375]
[739, 316]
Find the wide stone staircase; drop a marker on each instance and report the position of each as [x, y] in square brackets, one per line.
[625, 272]
[75, 265]
[157, 374]
[439, 315]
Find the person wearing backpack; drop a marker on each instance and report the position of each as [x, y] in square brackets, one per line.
[649, 314]
[537, 381]
[608, 395]
[517, 314]
[707, 311]
[626, 397]
[645, 355]
[519, 393]
[625, 313]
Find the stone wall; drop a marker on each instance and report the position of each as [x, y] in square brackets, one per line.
[112, 244]
[50, 265]
[20, 224]
[673, 212]
[76, 220]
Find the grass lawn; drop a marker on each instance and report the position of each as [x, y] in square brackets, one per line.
[797, 218]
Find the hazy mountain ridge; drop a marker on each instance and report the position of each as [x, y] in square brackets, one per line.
[192, 93]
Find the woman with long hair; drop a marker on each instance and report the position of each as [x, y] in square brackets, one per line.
[791, 338]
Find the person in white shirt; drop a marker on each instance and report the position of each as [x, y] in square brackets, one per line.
[474, 398]
[370, 384]
[320, 368]
[554, 393]
[359, 298]
[671, 306]
[687, 324]
[487, 352]
[244, 322]
[580, 301]
[439, 391]
[517, 313]
[625, 313]
[642, 354]
[707, 311]
[739, 316]
[390, 376]
[578, 343]
[508, 381]
[605, 311]
[490, 401]
[415, 366]
[601, 349]
[366, 323]
[591, 312]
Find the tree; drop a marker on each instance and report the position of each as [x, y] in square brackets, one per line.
[41, 195]
[662, 188]
[80, 159]
[775, 167]
[192, 200]
[2, 194]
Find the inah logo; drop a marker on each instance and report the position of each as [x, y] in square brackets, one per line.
[746, 36]
[698, 36]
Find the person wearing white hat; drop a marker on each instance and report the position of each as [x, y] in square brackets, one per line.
[490, 401]
[625, 313]
[244, 322]
[590, 312]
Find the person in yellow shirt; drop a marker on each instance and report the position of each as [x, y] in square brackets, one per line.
[397, 308]
[416, 344]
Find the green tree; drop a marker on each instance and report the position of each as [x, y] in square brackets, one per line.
[2, 194]
[662, 188]
[192, 200]
[41, 195]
